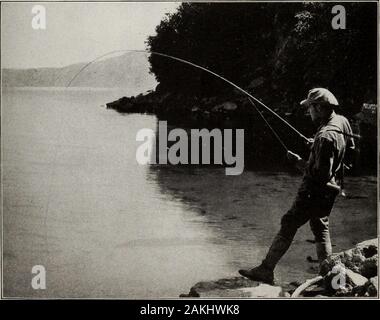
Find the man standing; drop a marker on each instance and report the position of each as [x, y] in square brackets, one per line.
[319, 187]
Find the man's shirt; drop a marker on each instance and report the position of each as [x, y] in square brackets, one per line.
[328, 149]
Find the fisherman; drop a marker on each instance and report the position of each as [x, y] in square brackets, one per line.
[320, 184]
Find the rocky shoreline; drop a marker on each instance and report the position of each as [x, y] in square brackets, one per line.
[351, 273]
[211, 111]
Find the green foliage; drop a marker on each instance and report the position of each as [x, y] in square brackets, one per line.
[291, 46]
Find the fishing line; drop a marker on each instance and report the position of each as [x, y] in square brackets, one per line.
[199, 67]
[270, 127]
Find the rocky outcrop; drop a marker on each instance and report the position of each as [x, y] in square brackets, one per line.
[211, 110]
[235, 287]
[372, 287]
[351, 273]
[361, 259]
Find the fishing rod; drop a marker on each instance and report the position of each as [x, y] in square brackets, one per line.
[270, 127]
[351, 135]
[199, 67]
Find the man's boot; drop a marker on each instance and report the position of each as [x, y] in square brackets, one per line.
[261, 273]
[265, 271]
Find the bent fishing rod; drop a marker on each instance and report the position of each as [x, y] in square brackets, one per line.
[201, 68]
[351, 135]
[269, 126]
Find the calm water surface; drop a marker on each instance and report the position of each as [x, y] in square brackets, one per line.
[76, 202]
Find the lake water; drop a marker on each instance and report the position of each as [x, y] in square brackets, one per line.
[76, 201]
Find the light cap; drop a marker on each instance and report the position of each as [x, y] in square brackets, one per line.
[320, 95]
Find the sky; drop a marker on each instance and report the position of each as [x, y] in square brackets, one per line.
[75, 32]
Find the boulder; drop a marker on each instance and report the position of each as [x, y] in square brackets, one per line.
[369, 267]
[263, 291]
[372, 287]
[237, 287]
[361, 259]
[357, 265]
[369, 289]
[355, 279]
[369, 245]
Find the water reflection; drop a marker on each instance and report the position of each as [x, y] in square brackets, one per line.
[243, 212]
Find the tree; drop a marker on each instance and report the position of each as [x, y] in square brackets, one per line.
[291, 46]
